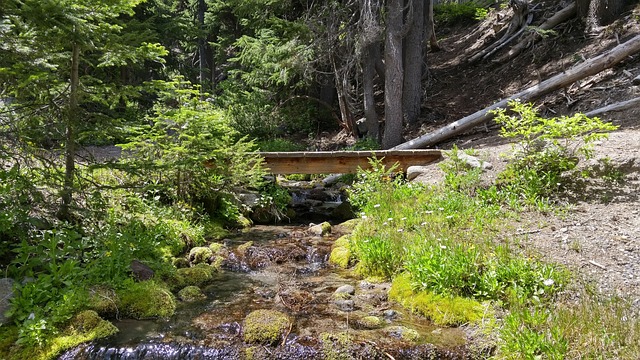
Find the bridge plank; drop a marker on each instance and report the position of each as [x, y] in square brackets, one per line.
[330, 162]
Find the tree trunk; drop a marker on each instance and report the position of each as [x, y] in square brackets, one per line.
[342, 83]
[202, 46]
[70, 148]
[430, 29]
[599, 12]
[368, 76]
[393, 76]
[581, 71]
[412, 87]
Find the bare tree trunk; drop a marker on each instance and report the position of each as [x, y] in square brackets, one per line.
[393, 76]
[412, 87]
[430, 29]
[581, 71]
[368, 75]
[70, 148]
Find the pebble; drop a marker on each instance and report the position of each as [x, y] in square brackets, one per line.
[346, 289]
[345, 305]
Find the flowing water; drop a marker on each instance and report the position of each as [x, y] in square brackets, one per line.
[286, 269]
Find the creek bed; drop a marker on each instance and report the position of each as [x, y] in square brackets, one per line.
[286, 270]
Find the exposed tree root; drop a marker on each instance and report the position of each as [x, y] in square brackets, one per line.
[516, 26]
[558, 18]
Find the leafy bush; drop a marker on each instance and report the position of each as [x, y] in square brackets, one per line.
[549, 149]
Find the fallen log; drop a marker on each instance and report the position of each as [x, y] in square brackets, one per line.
[623, 105]
[580, 71]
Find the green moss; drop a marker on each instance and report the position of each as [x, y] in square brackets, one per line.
[375, 279]
[104, 301]
[145, 300]
[326, 228]
[342, 241]
[350, 224]
[84, 327]
[217, 248]
[370, 322]
[191, 293]
[244, 247]
[335, 346]
[180, 262]
[442, 310]
[198, 275]
[255, 353]
[200, 254]
[214, 229]
[340, 256]
[244, 222]
[265, 326]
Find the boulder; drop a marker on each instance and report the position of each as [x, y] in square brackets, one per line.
[140, 271]
[320, 229]
[474, 162]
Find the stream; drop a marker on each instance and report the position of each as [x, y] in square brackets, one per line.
[286, 269]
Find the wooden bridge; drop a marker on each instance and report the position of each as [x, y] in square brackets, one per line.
[343, 162]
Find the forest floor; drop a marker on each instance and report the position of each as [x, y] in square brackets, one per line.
[598, 235]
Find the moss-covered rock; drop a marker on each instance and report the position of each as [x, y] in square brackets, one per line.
[244, 222]
[370, 322]
[340, 256]
[180, 262]
[442, 310]
[342, 241]
[200, 255]
[242, 249]
[104, 301]
[191, 294]
[402, 333]
[146, 300]
[321, 229]
[198, 275]
[265, 326]
[350, 224]
[217, 248]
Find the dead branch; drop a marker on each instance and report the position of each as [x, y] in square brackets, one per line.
[558, 18]
[623, 105]
[580, 71]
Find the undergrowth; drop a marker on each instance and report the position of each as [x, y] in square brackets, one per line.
[450, 254]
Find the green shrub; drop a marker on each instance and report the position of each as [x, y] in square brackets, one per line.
[453, 13]
[191, 152]
[548, 152]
